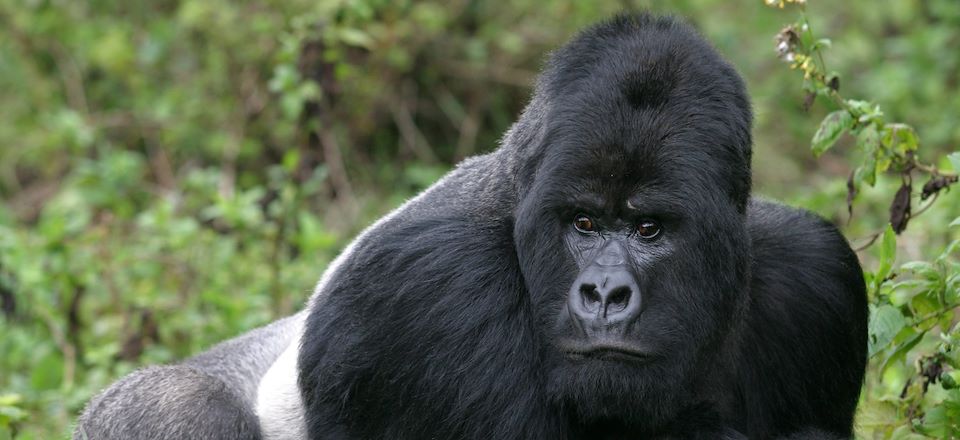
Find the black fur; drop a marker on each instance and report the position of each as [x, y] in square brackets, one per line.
[443, 322]
[454, 317]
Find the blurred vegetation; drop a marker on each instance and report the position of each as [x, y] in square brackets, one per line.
[175, 172]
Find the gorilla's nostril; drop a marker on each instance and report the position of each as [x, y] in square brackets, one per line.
[618, 299]
[619, 296]
[590, 293]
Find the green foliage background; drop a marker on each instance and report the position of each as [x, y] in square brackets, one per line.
[175, 172]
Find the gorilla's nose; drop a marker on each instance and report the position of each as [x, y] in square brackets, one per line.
[605, 298]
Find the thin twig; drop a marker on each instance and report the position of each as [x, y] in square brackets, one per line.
[873, 239]
[69, 353]
[334, 160]
[469, 129]
[925, 207]
[72, 78]
[411, 135]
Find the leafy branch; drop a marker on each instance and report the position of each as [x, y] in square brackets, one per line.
[913, 386]
[885, 145]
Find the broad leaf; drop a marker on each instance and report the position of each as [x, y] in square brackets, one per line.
[830, 130]
[888, 253]
[885, 322]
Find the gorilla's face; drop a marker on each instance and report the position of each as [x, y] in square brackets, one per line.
[635, 258]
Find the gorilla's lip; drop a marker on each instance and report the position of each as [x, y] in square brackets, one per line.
[606, 351]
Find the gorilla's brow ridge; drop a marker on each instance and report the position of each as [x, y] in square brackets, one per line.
[588, 200]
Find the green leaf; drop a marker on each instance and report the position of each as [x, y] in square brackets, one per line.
[865, 112]
[905, 433]
[955, 222]
[885, 322]
[356, 37]
[868, 139]
[10, 399]
[866, 173]
[936, 422]
[903, 292]
[875, 414]
[47, 372]
[901, 138]
[291, 159]
[868, 142]
[951, 380]
[954, 159]
[924, 269]
[912, 338]
[830, 130]
[888, 253]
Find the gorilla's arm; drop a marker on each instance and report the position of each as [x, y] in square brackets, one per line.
[802, 357]
[210, 396]
[424, 336]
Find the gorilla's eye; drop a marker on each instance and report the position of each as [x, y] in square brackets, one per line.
[648, 229]
[583, 223]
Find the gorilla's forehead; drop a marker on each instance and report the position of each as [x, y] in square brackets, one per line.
[621, 146]
[645, 85]
[641, 102]
[651, 176]
[600, 139]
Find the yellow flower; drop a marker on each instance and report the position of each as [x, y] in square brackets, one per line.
[781, 3]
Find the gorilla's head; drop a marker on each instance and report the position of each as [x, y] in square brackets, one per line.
[634, 165]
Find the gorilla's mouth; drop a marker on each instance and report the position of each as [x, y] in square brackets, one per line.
[615, 352]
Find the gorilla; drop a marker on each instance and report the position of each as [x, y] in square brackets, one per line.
[604, 274]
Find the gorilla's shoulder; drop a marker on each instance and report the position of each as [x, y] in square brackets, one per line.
[775, 227]
[799, 255]
[807, 321]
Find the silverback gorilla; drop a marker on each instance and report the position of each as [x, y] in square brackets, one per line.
[604, 274]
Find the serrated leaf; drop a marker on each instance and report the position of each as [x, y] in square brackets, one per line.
[830, 130]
